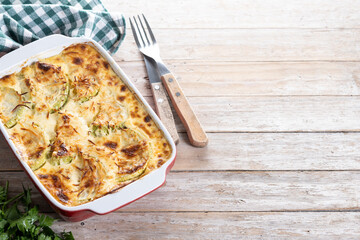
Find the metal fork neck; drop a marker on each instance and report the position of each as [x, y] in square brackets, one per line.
[162, 68]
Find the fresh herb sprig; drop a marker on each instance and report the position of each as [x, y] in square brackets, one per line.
[20, 220]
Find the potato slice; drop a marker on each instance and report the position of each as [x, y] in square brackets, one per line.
[12, 106]
[33, 144]
[92, 173]
[136, 152]
[129, 152]
[70, 129]
[49, 88]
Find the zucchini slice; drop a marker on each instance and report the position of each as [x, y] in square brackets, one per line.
[62, 97]
[60, 154]
[17, 113]
[85, 88]
[111, 116]
[98, 130]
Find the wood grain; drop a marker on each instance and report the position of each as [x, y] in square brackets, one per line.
[163, 109]
[218, 79]
[217, 225]
[278, 114]
[243, 14]
[229, 191]
[250, 45]
[194, 130]
[271, 151]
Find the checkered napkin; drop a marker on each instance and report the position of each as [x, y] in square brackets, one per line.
[24, 21]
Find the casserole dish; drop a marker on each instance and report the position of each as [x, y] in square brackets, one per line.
[53, 45]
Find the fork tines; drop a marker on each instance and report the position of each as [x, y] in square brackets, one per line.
[146, 35]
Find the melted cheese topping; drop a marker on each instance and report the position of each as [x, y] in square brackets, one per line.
[78, 126]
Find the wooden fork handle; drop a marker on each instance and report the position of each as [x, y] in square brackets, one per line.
[196, 134]
[163, 109]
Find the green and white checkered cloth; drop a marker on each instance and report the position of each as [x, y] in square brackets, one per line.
[24, 21]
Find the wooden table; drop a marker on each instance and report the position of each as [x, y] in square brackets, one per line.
[276, 86]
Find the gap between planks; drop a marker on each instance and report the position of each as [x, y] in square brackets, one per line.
[218, 79]
[216, 226]
[254, 45]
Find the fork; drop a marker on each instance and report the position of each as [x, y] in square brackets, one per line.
[148, 46]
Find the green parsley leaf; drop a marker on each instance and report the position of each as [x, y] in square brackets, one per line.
[4, 236]
[45, 221]
[67, 236]
[19, 219]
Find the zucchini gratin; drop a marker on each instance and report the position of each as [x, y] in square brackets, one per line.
[78, 126]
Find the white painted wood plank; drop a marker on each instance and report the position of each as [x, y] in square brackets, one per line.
[212, 79]
[243, 13]
[228, 45]
[271, 151]
[213, 225]
[277, 114]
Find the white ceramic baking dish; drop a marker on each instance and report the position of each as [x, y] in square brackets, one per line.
[52, 45]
